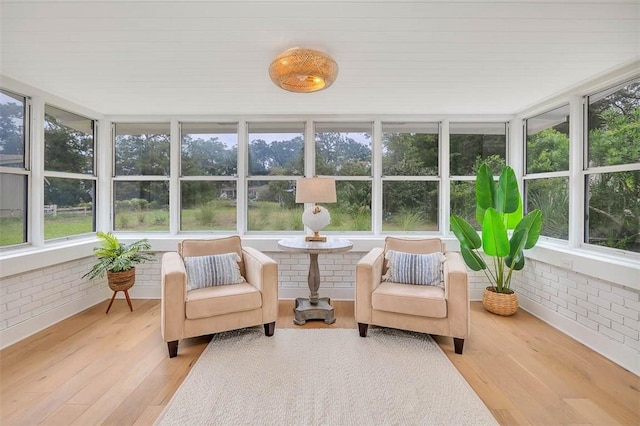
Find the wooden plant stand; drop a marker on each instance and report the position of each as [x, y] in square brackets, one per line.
[121, 281]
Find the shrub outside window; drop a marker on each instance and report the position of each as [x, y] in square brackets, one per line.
[69, 178]
[410, 177]
[343, 150]
[208, 176]
[141, 183]
[14, 173]
[546, 181]
[276, 160]
[612, 168]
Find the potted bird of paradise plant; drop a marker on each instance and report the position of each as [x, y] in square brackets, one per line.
[506, 233]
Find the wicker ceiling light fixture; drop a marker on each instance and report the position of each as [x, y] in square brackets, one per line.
[303, 70]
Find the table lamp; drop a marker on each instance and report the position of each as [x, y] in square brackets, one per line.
[316, 190]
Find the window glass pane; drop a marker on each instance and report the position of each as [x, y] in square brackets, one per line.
[68, 142]
[410, 149]
[209, 149]
[12, 130]
[68, 207]
[551, 196]
[463, 201]
[276, 149]
[614, 126]
[13, 209]
[471, 144]
[548, 141]
[614, 209]
[409, 206]
[208, 205]
[141, 206]
[352, 212]
[343, 149]
[272, 206]
[142, 149]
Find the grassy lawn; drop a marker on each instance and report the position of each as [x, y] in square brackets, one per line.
[219, 215]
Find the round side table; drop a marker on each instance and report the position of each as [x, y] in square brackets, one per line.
[314, 307]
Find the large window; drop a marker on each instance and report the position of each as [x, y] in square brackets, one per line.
[141, 183]
[276, 160]
[410, 177]
[472, 144]
[208, 176]
[343, 150]
[612, 168]
[14, 173]
[546, 180]
[70, 182]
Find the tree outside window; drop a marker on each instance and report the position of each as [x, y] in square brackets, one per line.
[70, 181]
[141, 184]
[208, 176]
[410, 177]
[612, 171]
[343, 150]
[547, 151]
[13, 171]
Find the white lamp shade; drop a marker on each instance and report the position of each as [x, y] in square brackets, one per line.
[316, 190]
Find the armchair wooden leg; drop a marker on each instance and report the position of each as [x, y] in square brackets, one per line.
[362, 328]
[269, 328]
[458, 344]
[173, 348]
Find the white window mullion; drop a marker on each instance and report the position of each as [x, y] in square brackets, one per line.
[36, 196]
[445, 182]
[376, 185]
[242, 201]
[104, 171]
[577, 143]
[174, 178]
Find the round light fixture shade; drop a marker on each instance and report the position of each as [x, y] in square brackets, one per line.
[303, 70]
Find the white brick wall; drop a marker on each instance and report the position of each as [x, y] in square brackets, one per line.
[29, 295]
[610, 310]
[606, 309]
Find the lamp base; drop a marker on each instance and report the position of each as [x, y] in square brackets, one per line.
[316, 238]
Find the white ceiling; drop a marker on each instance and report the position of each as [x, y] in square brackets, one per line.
[395, 57]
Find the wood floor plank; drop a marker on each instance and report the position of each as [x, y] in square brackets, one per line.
[95, 368]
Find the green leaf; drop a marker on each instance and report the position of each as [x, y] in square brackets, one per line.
[495, 241]
[472, 259]
[485, 191]
[507, 196]
[516, 247]
[512, 219]
[532, 222]
[465, 233]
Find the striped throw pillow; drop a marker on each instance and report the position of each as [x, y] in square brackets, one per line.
[410, 268]
[213, 270]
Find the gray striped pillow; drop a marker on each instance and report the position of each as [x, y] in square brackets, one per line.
[410, 268]
[212, 270]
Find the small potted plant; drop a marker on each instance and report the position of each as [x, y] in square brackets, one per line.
[118, 261]
[498, 210]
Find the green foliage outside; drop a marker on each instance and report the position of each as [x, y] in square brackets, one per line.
[613, 197]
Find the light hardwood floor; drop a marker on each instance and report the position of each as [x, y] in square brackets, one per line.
[114, 369]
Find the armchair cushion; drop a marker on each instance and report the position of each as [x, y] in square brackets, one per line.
[212, 270]
[220, 300]
[422, 301]
[411, 268]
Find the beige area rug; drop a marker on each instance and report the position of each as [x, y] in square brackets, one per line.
[324, 377]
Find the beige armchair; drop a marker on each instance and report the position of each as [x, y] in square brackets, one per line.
[435, 309]
[188, 312]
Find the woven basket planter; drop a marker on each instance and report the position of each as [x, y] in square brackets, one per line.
[120, 281]
[500, 303]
